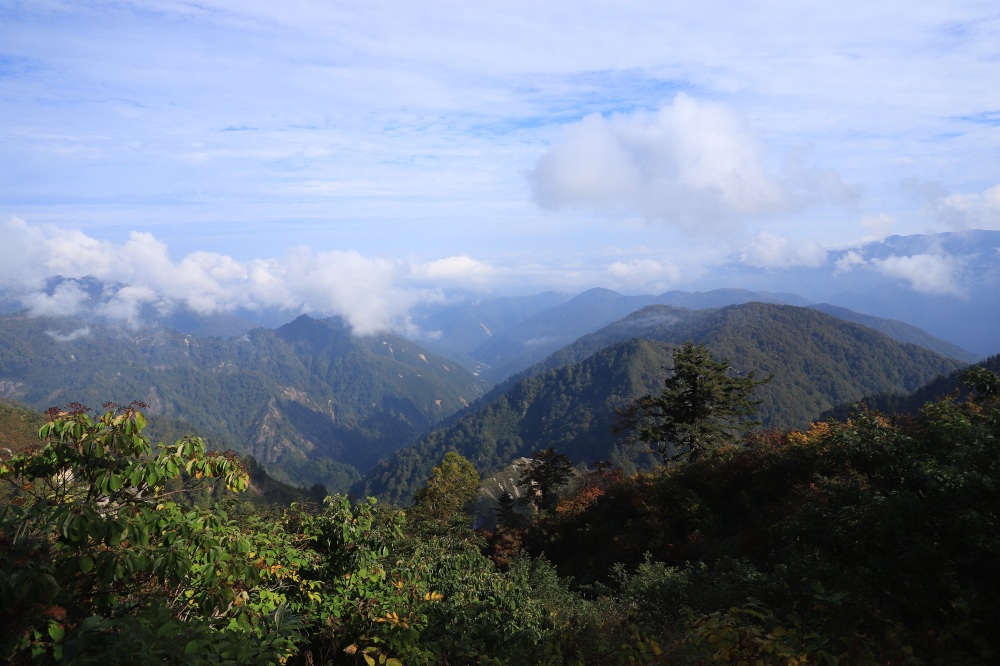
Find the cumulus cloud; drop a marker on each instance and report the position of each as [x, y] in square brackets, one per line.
[66, 300]
[457, 269]
[847, 263]
[977, 210]
[371, 293]
[927, 273]
[971, 210]
[644, 274]
[768, 250]
[693, 164]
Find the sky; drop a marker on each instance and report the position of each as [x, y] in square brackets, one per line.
[362, 158]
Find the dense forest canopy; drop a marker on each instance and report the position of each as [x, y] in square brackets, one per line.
[869, 540]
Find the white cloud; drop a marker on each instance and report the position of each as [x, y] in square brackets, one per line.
[21, 255]
[126, 303]
[66, 300]
[979, 210]
[369, 292]
[81, 332]
[767, 250]
[693, 164]
[460, 270]
[643, 274]
[849, 262]
[387, 115]
[926, 273]
[969, 210]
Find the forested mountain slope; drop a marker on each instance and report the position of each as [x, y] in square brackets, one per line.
[937, 389]
[568, 402]
[516, 347]
[308, 400]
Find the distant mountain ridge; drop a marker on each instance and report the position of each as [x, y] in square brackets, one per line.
[310, 401]
[568, 401]
[528, 341]
[510, 346]
[947, 284]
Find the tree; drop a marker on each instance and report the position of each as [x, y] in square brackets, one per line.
[505, 510]
[701, 405]
[452, 485]
[95, 553]
[545, 473]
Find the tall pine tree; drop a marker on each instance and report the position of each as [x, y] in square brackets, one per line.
[702, 404]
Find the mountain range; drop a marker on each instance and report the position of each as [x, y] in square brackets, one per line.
[569, 400]
[315, 403]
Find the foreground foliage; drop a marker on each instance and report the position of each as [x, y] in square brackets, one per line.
[869, 541]
[865, 541]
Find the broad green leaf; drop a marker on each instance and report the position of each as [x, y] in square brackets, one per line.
[56, 631]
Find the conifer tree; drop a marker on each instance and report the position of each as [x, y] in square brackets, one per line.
[505, 510]
[702, 404]
[545, 473]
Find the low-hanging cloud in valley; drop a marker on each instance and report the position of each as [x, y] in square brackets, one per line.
[372, 294]
[848, 262]
[937, 274]
[693, 164]
[75, 334]
[933, 272]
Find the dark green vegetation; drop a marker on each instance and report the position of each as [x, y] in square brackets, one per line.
[511, 349]
[894, 403]
[18, 428]
[569, 401]
[702, 405]
[899, 331]
[308, 400]
[867, 541]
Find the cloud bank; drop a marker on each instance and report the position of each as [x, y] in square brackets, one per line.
[936, 273]
[369, 292]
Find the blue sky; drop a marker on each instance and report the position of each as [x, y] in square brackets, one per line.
[359, 158]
